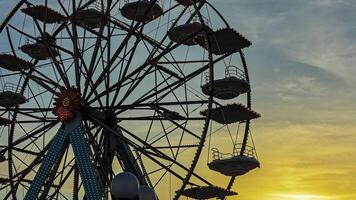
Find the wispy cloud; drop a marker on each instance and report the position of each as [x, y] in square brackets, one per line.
[318, 32]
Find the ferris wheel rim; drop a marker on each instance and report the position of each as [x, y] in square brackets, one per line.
[24, 86]
[195, 160]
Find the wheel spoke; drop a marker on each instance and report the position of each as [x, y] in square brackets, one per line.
[136, 79]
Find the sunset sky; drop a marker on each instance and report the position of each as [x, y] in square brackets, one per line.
[302, 68]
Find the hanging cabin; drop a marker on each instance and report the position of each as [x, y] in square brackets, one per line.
[9, 96]
[187, 33]
[90, 18]
[44, 14]
[233, 85]
[224, 41]
[42, 49]
[231, 113]
[13, 63]
[235, 164]
[142, 11]
[207, 192]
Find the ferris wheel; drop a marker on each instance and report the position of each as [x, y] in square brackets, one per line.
[92, 91]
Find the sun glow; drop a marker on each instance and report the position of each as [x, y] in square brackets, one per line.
[302, 197]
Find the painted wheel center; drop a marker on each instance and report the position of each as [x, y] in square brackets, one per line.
[67, 104]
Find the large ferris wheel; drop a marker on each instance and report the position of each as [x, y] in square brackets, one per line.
[93, 88]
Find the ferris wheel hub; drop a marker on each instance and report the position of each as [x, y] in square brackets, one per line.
[67, 104]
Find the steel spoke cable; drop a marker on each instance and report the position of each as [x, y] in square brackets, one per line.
[159, 153]
[144, 65]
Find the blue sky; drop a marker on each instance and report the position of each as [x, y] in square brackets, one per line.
[303, 53]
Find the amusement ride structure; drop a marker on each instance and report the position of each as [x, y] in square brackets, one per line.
[120, 99]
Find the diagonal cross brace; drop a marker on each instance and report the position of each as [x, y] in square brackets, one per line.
[75, 132]
[84, 164]
[48, 162]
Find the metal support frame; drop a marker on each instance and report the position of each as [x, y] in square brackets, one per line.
[73, 131]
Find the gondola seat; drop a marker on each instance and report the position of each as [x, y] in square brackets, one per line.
[224, 41]
[234, 166]
[91, 18]
[142, 11]
[11, 99]
[13, 63]
[187, 33]
[227, 88]
[39, 51]
[231, 113]
[207, 192]
[44, 14]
